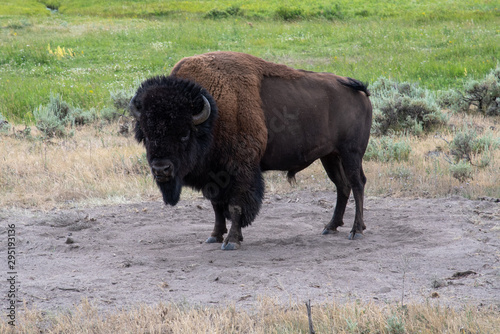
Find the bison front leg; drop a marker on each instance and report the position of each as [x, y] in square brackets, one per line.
[234, 237]
[243, 208]
[220, 225]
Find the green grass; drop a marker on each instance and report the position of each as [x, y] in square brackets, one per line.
[117, 43]
[423, 9]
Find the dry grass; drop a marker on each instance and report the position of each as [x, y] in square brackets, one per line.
[97, 165]
[268, 316]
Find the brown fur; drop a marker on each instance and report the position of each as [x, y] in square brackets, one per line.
[234, 80]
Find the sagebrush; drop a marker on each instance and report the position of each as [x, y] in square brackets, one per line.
[404, 107]
[483, 95]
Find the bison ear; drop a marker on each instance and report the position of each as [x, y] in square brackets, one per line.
[204, 114]
[134, 109]
[139, 135]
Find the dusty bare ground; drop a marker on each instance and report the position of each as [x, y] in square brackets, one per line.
[445, 250]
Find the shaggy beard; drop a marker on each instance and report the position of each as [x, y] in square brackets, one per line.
[171, 191]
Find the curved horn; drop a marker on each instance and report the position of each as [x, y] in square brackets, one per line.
[204, 114]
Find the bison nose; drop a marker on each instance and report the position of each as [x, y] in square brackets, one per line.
[163, 170]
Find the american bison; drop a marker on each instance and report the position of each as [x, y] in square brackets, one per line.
[221, 119]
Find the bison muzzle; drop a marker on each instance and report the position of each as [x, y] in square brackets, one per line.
[221, 119]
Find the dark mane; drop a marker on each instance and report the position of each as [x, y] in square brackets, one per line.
[355, 84]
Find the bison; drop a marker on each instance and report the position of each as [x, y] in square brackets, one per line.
[220, 119]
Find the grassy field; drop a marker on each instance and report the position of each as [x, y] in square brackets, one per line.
[89, 51]
[434, 43]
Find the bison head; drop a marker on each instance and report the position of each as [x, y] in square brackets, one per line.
[175, 119]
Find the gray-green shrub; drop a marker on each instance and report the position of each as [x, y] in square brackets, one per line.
[110, 114]
[404, 107]
[466, 145]
[484, 94]
[477, 95]
[121, 98]
[81, 117]
[4, 125]
[467, 150]
[52, 119]
[462, 171]
[386, 149]
[395, 325]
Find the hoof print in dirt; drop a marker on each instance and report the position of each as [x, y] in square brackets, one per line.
[356, 236]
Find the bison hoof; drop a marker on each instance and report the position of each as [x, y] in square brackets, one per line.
[327, 231]
[212, 240]
[230, 246]
[355, 236]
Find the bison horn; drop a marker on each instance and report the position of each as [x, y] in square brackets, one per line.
[204, 114]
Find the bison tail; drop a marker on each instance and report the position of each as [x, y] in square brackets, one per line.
[291, 177]
[355, 84]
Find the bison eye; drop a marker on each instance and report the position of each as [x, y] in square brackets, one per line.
[185, 138]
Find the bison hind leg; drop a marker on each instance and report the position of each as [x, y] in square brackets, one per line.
[354, 172]
[335, 171]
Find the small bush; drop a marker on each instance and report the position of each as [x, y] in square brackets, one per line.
[395, 325]
[110, 114]
[24, 134]
[401, 173]
[289, 14]
[404, 107]
[484, 94]
[478, 95]
[385, 149]
[461, 148]
[462, 171]
[486, 143]
[451, 99]
[121, 98]
[215, 13]
[82, 117]
[4, 125]
[53, 118]
[467, 146]
[330, 13]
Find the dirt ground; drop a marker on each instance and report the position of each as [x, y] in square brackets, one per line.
[444, 250]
